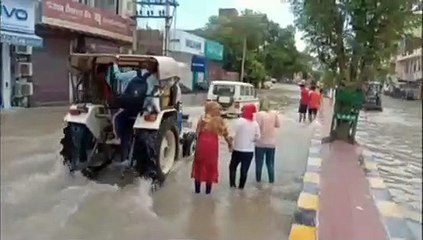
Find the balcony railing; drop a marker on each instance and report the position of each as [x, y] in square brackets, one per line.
[416, 53]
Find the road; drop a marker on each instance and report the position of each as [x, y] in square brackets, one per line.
[395, 137]
[41, 201]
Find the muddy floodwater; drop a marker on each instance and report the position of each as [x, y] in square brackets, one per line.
[41, 201]
[395, 138]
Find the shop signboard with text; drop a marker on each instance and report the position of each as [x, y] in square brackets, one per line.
[214, 50]
[17, 16]
[79, 17]
[181, 41]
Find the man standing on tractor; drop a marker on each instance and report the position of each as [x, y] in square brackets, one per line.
[134, 83]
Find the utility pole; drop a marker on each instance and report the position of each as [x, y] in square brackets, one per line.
[164, 12]
[134, 32]
[168, 22]
[244, 53]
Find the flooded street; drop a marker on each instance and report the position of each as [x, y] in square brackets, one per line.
[395, 137]
[41, 201]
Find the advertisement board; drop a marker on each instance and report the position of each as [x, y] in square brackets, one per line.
[214, 50]
[17, 16]
[181, 41]
[80, 17]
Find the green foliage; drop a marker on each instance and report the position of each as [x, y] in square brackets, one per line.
[354, 38]
[270, 49]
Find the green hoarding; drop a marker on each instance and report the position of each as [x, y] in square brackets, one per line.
[214, 50]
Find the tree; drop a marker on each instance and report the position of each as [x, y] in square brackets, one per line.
[353, 39]
[270, 49]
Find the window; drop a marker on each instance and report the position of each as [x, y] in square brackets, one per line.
[253, 92]
[223, 89]
[248, 92]
[111, 5]
[81, 1]
[243, 91]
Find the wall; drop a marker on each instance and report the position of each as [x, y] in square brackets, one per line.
[214, 70]
[186, 74]
[126, 8]
[181, 41]
[149, 41]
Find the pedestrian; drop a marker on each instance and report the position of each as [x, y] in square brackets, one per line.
[205, 166]
[304, 97]
[314, 103]
[246, 133]
[268, 122]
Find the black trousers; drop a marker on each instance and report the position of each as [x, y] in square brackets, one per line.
[243, 158]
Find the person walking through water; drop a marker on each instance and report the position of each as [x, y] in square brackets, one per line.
[246, 133]
[304, 98]
[268, 122]
[205, 166]
[314, 103]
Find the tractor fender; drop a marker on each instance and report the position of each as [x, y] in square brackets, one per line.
[89, 118]
[141, 123]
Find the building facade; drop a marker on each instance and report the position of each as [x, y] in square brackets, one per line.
[69, 26]
[149, 41]
[189, 49]
[409, 65]
[228, 12]
[17, 31]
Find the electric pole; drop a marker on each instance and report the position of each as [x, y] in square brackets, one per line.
[163, 11]
[244, 53]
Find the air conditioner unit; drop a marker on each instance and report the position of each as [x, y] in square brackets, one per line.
[24, 50]
[24, 69]
[23, 89]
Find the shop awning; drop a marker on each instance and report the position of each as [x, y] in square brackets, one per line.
[20, 39]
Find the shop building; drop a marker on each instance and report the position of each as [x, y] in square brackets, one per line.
[189, 49]
[214, 54]
[18, 37]
[149, 41]
[69, 26]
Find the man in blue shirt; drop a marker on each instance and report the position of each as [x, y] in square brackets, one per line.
[123, 117]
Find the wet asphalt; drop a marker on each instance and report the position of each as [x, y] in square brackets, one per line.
[41, 201]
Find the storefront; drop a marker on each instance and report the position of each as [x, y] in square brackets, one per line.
[214, 55]
[189, 49]
[67, 27]
[17, 39]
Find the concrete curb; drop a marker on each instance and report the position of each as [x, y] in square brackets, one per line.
[393, 220]
[305, 223]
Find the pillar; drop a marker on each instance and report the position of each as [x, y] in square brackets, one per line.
[6, 87]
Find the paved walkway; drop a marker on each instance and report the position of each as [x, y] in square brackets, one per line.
[347, 210]
[336, 201]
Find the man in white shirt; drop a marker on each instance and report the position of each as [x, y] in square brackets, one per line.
[246, 133]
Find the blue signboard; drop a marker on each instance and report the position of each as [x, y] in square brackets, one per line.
[198, 64]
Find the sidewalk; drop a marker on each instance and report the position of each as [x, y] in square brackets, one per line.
[347, 210]
[336, 202]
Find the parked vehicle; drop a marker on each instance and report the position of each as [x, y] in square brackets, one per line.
[154, 143]
[373, 100]
[232, 96]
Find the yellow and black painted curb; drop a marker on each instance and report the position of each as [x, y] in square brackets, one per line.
[305, 223]
[390, 213]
